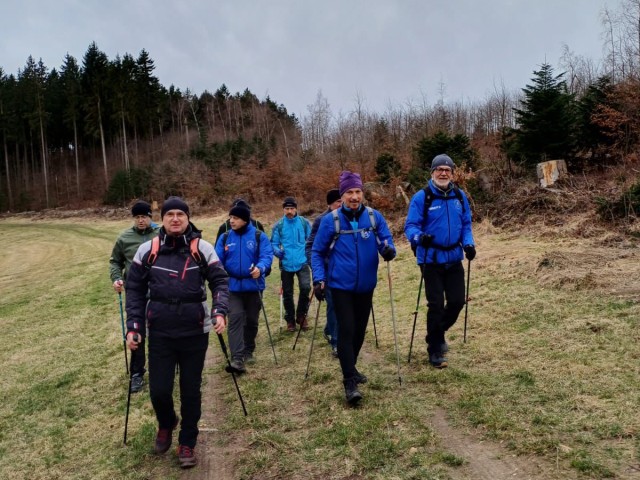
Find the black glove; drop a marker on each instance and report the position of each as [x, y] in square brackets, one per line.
[425, 240]
[388, 253]
[318, 291]
[470, 252]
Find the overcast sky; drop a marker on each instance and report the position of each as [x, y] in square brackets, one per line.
[387, 52]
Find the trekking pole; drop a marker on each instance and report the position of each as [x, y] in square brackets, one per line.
[233, 375]
[124, 338]
[264, 311]
[136, 338]
[393, 319]
[415, 316]
[373, 317]
[281, 302]
[466, 303]
[295, 342]
[315, 326]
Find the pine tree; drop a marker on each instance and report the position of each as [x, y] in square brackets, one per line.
[547, 120]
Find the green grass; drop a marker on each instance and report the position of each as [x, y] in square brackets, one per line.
[545, 371]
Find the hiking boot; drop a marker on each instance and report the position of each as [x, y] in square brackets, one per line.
[163, 438]
[236, 366]
[291, 327]
[249, 359]
[302, 321]
[137, 382]
[187, 456]
[360, 378]
[438, 360]
[334, 352]
[351, 392]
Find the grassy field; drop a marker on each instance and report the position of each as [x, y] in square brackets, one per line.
[550, 370]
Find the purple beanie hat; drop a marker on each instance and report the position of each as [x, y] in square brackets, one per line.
[349, 180]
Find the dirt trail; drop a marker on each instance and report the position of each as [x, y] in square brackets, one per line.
[214, 460]
[486, 460]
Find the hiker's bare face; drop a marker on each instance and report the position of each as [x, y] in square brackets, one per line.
[175, 222]
[352, 198]
[236, 222]
[441, 176]
[142, 222]
[290, 212]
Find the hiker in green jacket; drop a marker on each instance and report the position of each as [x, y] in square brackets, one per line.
[125, 248]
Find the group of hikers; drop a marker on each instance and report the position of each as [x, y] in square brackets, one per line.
[164, 271]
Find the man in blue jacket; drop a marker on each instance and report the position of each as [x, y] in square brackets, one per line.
[246, 254]
[344, 258]
[438, 226]
[166, 294]
[288, 239]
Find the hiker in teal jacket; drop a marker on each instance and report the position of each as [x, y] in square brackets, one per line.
[288, 239]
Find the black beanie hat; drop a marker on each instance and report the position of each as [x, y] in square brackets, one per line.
[289, 202]
[332, 196]
[242, 212]
[141, 208]
[242, 202]
[174, 203]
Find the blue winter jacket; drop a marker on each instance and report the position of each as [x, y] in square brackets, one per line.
[353, 260]
[237, 255]
[447, 221]
[288, 239]
[169, 297]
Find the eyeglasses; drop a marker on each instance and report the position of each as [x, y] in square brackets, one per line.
[443, 170]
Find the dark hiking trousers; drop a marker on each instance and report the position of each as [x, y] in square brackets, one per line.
[189, 353]
[138, 359]
[352, 311]
[442, 282]
[244, 312]
[304, 284]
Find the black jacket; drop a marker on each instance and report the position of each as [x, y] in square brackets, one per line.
[170, 295]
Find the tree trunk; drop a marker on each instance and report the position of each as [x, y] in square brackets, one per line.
[125, 150]
[75, 151]
[44, 164]
[6, 167]
[104, 148]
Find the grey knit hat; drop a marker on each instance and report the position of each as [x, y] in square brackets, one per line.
[442, 160]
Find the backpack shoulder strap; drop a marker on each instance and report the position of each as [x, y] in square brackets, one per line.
[428, 200]
[336, 228]
[194, 249]
[279, 228]
[305, 226]
[374, 227]
[153, 254]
